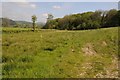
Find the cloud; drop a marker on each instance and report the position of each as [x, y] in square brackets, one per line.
[60, 0]
[26, 4]
[56, 7]
[14, 0]
[23, 3]
[33, 5]
[0, 9]
[18, 10]
[45, 14]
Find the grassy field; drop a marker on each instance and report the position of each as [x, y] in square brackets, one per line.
[60, 54]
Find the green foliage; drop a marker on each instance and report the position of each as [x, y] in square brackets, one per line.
[112, 18]
[34, 18]
[85, 21]
[59, 53]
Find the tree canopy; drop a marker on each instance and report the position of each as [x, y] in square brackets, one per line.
[34, 18]
[87, 20]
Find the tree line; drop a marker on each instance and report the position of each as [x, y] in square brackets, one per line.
[86, 20]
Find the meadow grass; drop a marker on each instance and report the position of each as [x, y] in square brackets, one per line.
[59, 53]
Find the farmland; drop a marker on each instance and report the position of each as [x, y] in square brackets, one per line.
[60, 53]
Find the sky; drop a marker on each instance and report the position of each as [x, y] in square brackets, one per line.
[22, 10]
[60, 0]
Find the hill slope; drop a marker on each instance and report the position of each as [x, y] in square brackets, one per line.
[6, 22]
[60, 54]
[23, 22]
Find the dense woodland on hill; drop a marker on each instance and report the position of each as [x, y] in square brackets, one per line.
[87, 20]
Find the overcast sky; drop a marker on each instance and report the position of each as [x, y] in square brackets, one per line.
[24, 9]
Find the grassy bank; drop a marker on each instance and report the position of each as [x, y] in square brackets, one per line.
[60, 54]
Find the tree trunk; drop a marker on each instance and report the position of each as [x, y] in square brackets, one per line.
[33, 26]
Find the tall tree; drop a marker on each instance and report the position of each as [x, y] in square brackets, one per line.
[34, 19]
[50, 17]
[111, 18]
[103, 21]
[49, 22]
